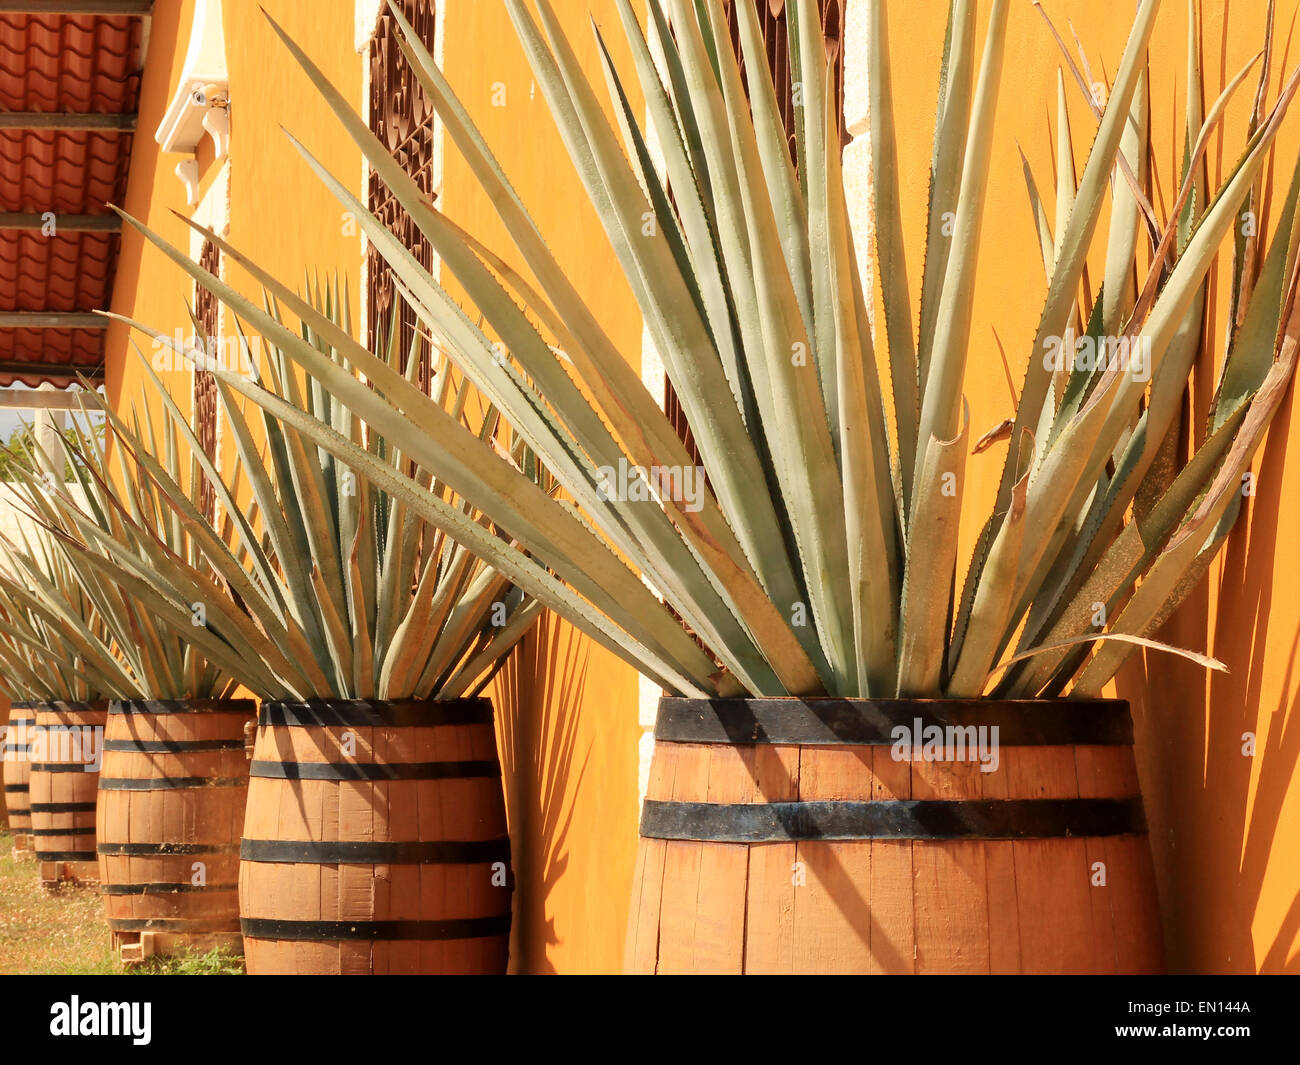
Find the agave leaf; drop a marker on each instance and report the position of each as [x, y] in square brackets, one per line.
[1119, 292]
[1167, 581]
[991, 611]
[1131, 642]
[871, 529]
[956, 84]
[941, 398]
[502, 641]
[891, 259]
[931, 555]
[1073, 242]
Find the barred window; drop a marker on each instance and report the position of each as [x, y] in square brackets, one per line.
[205, 383]
[403, 119]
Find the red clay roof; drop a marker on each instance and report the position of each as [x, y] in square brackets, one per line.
[68, 65]
[67, 171]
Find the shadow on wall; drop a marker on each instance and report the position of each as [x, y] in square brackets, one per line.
[1219, 817]
[537, 694]
[1214, 811]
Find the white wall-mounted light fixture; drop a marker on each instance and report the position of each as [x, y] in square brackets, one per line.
[201, 102]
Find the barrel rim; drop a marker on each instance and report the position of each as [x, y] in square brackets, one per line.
[808, 722]
[67, 706]
[183, 706]
[374, 713]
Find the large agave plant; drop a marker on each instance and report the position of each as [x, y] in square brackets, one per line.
[824, 556]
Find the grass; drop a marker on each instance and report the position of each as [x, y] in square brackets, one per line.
[62, 933]
[42, 933]
[216, 962]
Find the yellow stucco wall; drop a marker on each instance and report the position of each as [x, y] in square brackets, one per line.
[572, 791]
[1225, 827]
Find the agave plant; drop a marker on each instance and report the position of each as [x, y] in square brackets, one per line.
[82, 623]
[326, 587]
[54, 646]
[823, 558]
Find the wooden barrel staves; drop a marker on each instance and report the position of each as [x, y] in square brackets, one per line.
[896, 836]
[17, 765]
[171, 810]
[375, 840]
[66, 752]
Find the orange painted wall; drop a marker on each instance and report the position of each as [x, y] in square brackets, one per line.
[1225, 827]
[281, 215]
[570, 735]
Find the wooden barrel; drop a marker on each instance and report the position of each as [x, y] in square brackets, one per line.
[375, 840]
[903, 836]
[66, 752]
[17, 775]
[171, 810]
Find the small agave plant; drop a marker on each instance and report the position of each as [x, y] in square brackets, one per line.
[824, 557]
[72, 632]
[54, 646]
[314, 583]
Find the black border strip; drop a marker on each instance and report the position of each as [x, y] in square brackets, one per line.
[170, 746]
[353, 852]
[72, 830]
[64, 856]
[373, 770]
[345, 713]
[168, 783]
[152, 850]
[821, 722]
[247, 707]
[15, 788]
[64, 807]
[892, 819]
[327, 931]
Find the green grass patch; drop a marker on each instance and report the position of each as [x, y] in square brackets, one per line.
[63, 932]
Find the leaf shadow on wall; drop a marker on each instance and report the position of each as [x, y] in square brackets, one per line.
[538, 693]
[1214, 813]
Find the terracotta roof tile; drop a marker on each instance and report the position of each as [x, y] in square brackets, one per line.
[70, 272]
[53, 347]
[77, 173]
[51, 63]
[79, 64]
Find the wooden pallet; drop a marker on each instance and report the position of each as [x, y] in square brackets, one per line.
[78, 874]
[136, 948]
